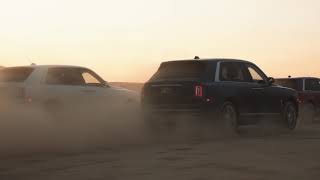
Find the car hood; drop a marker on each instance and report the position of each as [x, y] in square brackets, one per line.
[285, 88]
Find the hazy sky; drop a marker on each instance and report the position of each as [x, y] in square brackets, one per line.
[125, 40]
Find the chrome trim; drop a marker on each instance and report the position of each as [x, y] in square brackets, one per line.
[217, 78]
[166, 85]
[260, 88]
[258, 114]
[312, 91]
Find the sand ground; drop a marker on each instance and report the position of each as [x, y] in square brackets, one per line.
[252, 155]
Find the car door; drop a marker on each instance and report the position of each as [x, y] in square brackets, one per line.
[234, 86]
[267, 97]
[64, 86]
[97, 92]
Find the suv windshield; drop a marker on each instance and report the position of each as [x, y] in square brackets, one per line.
[15, 74]
[180, 70]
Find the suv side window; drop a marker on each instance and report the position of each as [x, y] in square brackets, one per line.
[254, 74]
[15, 74]
[312, 85]
[64, 76]
[231, 71]
[91, 79]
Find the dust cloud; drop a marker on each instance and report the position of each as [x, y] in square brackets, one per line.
[28, 128]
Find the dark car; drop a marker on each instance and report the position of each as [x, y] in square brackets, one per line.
[228, 90]
[308, 94]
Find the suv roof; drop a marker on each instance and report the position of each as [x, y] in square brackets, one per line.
[48, 66]
[299, 78]
[209, 60]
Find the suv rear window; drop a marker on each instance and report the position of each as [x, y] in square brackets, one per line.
[15, 74]
[290, 83]
[180, 70]
[312, 85]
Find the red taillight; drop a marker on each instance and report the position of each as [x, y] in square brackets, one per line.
[300, 99]
[28, 100]
[21, 93]
[198, 91]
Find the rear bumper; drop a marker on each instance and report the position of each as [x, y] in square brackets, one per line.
[200, 110]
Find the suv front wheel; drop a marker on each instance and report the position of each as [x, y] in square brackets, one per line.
[290, 115]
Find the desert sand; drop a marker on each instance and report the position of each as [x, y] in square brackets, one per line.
[282, 156]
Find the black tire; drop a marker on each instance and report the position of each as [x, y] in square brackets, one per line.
[290, 115]
[229, 117]
[307, 114]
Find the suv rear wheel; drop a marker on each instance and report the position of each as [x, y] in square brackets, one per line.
[229, 116]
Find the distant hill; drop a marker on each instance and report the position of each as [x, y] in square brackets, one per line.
[1, 67]
[128, 85]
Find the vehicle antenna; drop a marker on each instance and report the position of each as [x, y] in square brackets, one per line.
[30, 62]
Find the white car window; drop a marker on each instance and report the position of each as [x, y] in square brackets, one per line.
[89, 78]
[15, 74]
[64, 76]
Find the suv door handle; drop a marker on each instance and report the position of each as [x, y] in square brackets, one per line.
[260, 88]
[89, 91]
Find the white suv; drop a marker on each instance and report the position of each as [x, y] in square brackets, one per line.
[57, 86]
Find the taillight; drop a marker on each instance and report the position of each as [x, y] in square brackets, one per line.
[22, 94]
[300, 99]
[198, 91]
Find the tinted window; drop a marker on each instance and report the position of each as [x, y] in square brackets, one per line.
[312, 85]
[16, 74]
[180, 70]
[290, 83]
[64, 76]
[232, 71]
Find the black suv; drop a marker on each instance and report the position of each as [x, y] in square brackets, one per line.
[233, 91]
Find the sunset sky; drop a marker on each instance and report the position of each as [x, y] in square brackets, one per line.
[126, 40]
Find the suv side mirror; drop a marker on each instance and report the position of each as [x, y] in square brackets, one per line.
[270, 80]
